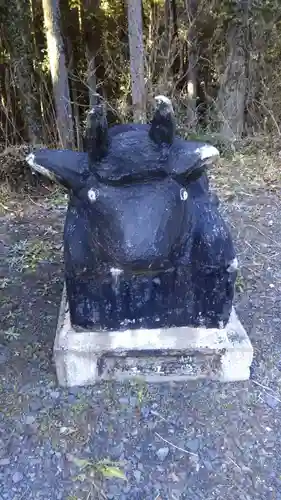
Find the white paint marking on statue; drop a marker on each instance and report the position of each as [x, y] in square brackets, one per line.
[208, 152]
[92, 195]
[233, 266]
[183, 194]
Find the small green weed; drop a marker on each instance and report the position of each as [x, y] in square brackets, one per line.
[26, 255]
[4, 283]
[139, 386]
[92, 473]
[11, 334]
[105, 468]
[240, 283]
[79, 407]
[58, 197]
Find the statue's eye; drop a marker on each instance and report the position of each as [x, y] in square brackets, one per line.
[183, 194]
[92, 195]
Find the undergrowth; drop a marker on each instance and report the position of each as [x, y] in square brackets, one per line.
[26, 255]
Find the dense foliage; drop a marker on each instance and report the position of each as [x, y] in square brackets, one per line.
[219, 60]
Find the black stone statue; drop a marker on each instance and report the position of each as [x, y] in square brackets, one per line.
[144, 243]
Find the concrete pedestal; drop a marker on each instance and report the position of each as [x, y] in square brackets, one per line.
[83, 357]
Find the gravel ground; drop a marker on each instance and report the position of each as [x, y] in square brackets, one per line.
[137, 441]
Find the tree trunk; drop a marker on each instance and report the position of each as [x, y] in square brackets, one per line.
[136, 59]
[58, 73]
[191, 7]
[92, 45]
[43, 84]
[233, 84]
[71, 26]
[91, 76]
[177, 66]
[92, 23]
[74, 94]
[17, 25]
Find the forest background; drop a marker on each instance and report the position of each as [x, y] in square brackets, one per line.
[219, 61]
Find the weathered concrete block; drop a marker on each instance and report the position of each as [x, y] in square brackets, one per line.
[178, 354]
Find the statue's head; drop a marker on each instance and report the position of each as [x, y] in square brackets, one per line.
[126, 153]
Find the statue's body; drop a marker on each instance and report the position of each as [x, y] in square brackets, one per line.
[144, 242]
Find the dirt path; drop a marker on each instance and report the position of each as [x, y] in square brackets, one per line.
[181, 441]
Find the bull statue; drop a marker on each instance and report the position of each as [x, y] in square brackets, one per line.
[144, 243]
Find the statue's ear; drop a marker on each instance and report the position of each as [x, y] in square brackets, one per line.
[189, 160]
[63, 166]
[96, 134]
[163, 125]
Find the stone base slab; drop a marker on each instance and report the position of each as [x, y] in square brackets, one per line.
[83, 357]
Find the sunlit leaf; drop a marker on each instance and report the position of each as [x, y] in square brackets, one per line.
[112, 472]
[79, 462]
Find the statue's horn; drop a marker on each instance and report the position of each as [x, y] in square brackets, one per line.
[163, 126]
[96, 136]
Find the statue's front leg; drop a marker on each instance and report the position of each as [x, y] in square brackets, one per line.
[213, 295]
[97, 295]
[79, 262]
[213, 266]
[207, 267]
